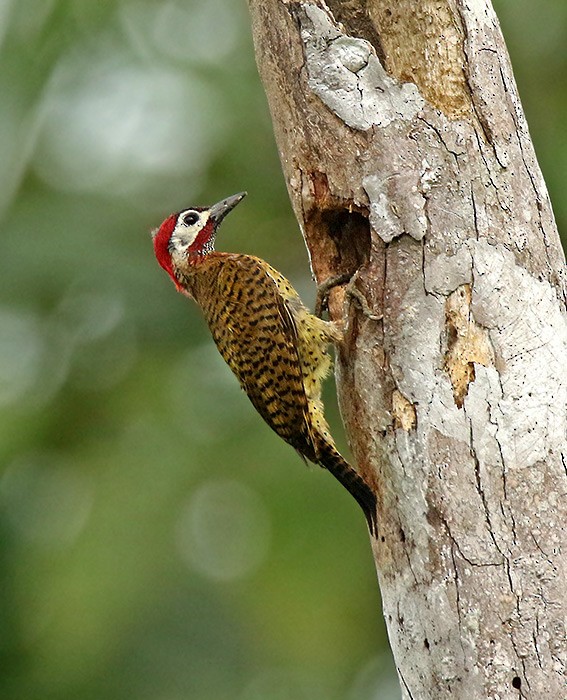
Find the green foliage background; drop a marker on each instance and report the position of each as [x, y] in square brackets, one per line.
[157, 540]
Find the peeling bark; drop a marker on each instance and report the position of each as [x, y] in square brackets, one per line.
[409, 166]
[468, 343]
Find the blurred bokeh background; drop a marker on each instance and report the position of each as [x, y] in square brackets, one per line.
[157, 540]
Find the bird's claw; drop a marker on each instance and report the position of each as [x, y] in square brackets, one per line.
[323, 290]
[358, 297]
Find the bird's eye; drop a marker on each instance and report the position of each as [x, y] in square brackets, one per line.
[191, 218]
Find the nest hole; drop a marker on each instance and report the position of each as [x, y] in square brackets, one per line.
[339, 239]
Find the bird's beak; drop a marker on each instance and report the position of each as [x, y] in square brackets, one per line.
[219, 210]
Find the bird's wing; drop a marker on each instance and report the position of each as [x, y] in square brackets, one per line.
[256, 334]
[289, 323]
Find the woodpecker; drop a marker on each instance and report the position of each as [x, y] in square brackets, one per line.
[276, 348]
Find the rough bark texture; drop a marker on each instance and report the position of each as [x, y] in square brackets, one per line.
[409, 165]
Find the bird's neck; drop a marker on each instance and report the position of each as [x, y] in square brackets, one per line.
[203, 257]
[189, 268]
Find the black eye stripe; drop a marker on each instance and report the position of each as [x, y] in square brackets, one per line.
[191, 218]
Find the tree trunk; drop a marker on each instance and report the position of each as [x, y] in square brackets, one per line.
[410, 167]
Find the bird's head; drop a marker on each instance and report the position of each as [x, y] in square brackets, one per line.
[190, 233]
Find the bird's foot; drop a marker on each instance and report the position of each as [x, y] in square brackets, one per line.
[324, 289]
[360, 300]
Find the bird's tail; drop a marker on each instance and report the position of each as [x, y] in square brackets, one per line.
[333, 461]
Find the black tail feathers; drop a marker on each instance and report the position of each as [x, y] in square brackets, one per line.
[332, 460]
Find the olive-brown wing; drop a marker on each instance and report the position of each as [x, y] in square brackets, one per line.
[255, 333]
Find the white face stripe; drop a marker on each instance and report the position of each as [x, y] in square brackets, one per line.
[185, 232]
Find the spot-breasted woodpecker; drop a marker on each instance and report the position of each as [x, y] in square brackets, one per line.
[275, 347]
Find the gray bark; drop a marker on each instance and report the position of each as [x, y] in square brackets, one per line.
[409, 165]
